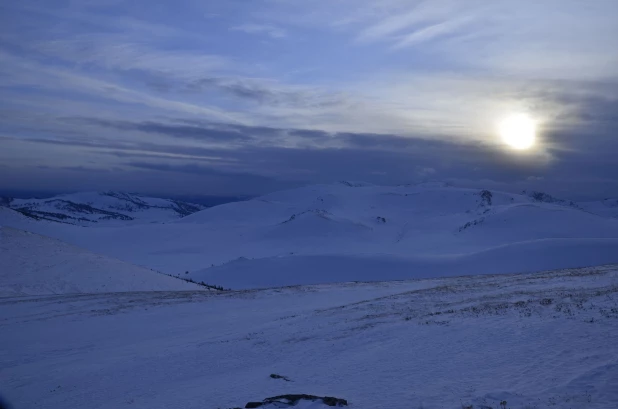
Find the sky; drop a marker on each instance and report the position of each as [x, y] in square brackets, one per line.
[244, 97]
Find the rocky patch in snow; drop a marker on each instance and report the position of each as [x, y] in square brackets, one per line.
[93, 208]
[293, 399]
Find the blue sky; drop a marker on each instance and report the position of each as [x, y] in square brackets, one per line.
[246, 97]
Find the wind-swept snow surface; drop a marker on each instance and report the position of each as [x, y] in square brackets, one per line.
[32, 264]
[544, 340]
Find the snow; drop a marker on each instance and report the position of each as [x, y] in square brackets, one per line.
[388, 297]
[34, 265]
[543, 340]
[606, 208]
[104, 208]
[425, 230]
[9, 217]
[320, 269]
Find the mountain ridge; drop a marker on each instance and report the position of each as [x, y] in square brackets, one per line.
[92, 208]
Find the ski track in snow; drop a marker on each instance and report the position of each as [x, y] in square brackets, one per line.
[543, 340]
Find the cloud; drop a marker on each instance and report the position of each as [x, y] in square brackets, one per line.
[584, 171]
[546, 39]
[419, 17]
[111, 53]
[426, 171]
[21, 72]
[201, 133]
[271, 31]
[369, 152]
[269, 92]
[245, 135]
[78, 169]
[186, 168]
[377, 141]
[311, 134]
[384, 91]
[431, 32]
[170, 79]
[593, 106]
[85, 37]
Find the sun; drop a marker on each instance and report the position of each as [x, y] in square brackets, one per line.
[518, 131]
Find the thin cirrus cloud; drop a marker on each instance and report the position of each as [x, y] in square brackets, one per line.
[426, 19]
[271, 31]
[431, 32]
[389, 91]
[97, 51]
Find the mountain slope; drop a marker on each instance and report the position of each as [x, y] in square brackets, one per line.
[404, 222]
[606, 208]
[92, 208]
[530, 256]
[544, 341]
[34, 265]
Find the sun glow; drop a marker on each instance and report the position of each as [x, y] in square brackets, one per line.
[518, 131]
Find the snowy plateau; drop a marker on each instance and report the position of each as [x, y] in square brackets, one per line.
[422, 296]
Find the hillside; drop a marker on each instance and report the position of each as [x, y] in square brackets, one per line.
[544, 340]
[379, 296]
[606, 207]
[35, 265]
[520, 257]
[96, 208]
[422, 226]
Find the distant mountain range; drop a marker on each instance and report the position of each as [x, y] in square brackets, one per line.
[105, 208]
[95, 208]
[91, 304]
[332, 233]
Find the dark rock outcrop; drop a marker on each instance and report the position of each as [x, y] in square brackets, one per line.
[292, 399]
[276, 376]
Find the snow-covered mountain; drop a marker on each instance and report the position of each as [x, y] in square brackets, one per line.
[96, 208]
[420, 231]
[115, 334]
[607, 207]
[35, 265]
